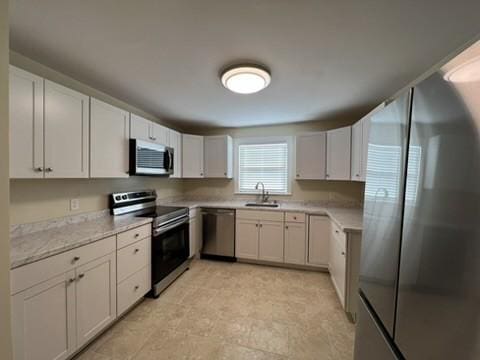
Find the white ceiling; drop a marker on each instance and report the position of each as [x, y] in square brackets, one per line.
[327, 58]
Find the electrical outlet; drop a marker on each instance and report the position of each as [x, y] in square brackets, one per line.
[74, 204]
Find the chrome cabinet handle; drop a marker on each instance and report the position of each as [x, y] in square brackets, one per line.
[38, 169]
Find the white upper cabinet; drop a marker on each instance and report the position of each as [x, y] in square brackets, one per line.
[192, 156]
[140, 128]
[338, 153]
[218, 156]
[159, 134]
[109, 134]
[26, 124]
[357, 151]
[175, 142]
[66, 132]
[365, 136]
[143, 129]
[310, 156]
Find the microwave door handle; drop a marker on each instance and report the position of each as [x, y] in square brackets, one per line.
[170, 159]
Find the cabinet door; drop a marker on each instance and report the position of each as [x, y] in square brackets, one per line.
[66, 132]
[365, 137]
[318, 240]
[270, 243]
[26, 124]
[193, 237]
[140, 128]
[246, 239]
[338, 153]
[109, 133]
[218, 156]
[357, 151]
[192, 156]
[338, 268]
[159, 134]
[96, 297]
[175, 140]
[43, 320]
[295, 241]
[310, 156]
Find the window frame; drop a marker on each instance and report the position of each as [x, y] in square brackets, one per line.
[289, 140]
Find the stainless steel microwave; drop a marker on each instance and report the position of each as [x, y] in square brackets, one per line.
[148, 158]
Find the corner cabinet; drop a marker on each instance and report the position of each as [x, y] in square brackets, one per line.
[338, 153]
[49, 129]
[310, 156]
[218, 156]
[192, 156]
[109, 134]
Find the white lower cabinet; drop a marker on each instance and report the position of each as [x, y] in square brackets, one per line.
[55, 316]
[270, 241]
[338, 267]
[96, 297]
[246, 239]
[43, 320]
[318, 240]
[295, 241]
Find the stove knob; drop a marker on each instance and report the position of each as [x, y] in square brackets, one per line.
[118, 197]
[124, 197]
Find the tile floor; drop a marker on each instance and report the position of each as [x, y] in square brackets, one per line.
[233, 311]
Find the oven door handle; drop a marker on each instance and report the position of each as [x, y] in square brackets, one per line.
[159, 231]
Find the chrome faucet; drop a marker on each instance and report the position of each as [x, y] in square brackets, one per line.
[264, 193]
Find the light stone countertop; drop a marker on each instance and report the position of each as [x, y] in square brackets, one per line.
[349, 219]
[60, 235]
[33, 242]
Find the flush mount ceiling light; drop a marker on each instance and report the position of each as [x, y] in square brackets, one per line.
[466, 72]
[245, 79]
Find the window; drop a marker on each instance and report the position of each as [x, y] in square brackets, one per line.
[266, 160]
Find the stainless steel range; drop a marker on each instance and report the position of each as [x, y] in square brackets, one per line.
[170, 234]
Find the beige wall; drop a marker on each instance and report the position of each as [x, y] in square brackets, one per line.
[5, 343]
[36, 200]
[301, 190]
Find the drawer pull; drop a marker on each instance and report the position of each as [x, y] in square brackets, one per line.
[136, 235]
[343, 253]
[71, 280]
[338, 232]
[75, 259]
[136, 288]
[136, 251]
[81, 276]
[286, 227]
[294, 218]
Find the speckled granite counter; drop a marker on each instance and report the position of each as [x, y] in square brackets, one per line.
[349, 219]
[33, 242]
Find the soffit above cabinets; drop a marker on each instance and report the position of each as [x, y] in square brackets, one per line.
[327, 59]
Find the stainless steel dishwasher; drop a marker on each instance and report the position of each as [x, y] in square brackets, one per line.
[218, 234]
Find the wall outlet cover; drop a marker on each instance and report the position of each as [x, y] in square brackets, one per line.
[74, 204]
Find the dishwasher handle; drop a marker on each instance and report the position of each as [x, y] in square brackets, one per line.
[219, 212]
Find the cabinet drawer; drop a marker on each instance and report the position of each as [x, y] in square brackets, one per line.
[128, 237]
[132, 289]
[29, 275]
[132, 258]
[338, 235]
[260, 215]
[295, 217]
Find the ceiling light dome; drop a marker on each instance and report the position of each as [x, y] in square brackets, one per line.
[246, 79]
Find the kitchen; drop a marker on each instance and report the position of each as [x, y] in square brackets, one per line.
[157, 210]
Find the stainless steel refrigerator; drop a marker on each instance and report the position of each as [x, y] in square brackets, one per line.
[419, 295]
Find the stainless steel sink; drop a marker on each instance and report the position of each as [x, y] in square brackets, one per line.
[270, 205]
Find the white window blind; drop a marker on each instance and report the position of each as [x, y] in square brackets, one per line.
[383, 172]
[267, 163]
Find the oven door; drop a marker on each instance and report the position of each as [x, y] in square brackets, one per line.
[170, 248]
